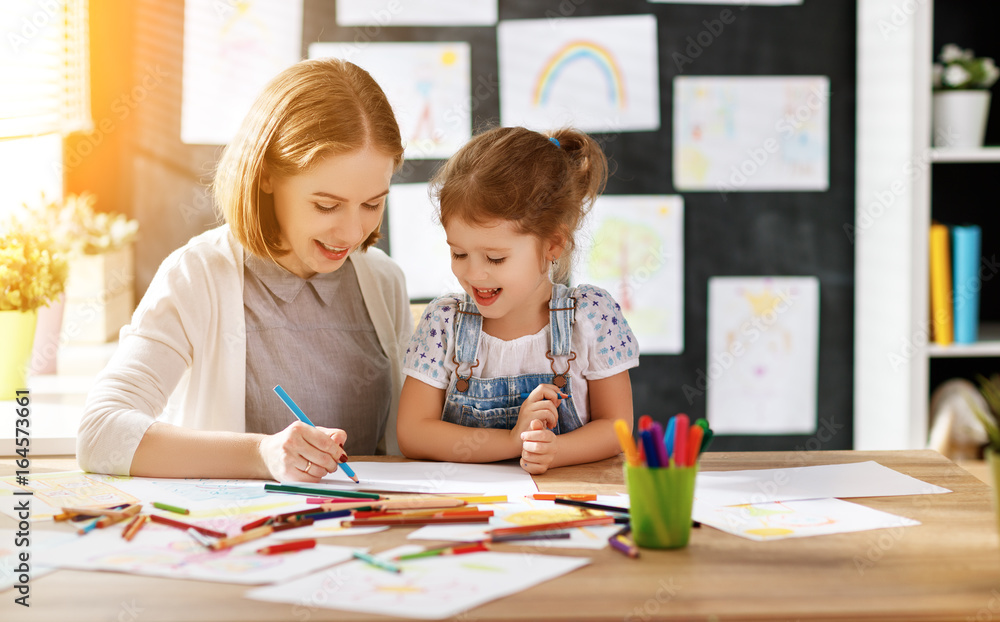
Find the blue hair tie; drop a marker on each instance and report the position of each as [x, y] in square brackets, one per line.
[555, 141]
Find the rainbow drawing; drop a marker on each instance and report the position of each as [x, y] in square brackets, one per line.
[580, 50]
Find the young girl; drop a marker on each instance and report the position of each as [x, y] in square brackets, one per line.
[518, 367]
[287, 292]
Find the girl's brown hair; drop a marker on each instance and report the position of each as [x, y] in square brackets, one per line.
[516, 174]
[313, 109]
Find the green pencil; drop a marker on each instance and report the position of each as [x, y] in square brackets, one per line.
[378, 563]
[321, 492]
[170, 508]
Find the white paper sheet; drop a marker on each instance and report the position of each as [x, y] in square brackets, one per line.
[167, 552]
[763, 355]
[751, 133]
[797, 519]
[416, 12]
[418, 243]
[10, 550]
[430, 588]
[428, 85]
[859, 479]
[435, 477]
[597, 74]
[527, 512]
[633, 246]
[231, 50]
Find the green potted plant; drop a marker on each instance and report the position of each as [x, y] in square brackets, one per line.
[961, 101]
[32, 274]
[990, 389]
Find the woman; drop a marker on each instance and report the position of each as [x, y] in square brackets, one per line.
[286, 292]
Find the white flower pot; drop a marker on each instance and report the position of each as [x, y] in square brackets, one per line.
[959, 120]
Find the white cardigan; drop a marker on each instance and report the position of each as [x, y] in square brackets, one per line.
[182, 360]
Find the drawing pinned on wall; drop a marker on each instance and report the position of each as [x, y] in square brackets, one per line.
[428, 85]
[753, 133]
[231, 50]
[422, 251]
[763, 345]
[416, 13]
[633, 246]
[597, 74]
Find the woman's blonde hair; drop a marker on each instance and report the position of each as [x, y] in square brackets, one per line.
[545, 184]
[313, 109]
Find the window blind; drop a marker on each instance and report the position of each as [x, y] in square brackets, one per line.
[44, 67]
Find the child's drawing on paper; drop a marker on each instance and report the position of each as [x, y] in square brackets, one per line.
[762, 354]
[633, 246]
[593, 73]
[751, 133]
[428, 85]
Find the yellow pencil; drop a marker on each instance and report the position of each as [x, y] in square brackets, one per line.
[628, 445]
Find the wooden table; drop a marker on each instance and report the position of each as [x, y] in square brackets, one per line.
[948, 568]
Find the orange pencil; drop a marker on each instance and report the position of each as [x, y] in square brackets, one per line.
[134, 526]
[246, 536]
[551, 496]
[402, 521]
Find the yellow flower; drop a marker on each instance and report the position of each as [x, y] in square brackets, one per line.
[32, 270]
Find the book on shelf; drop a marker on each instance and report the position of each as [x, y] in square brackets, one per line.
[940, 285]
[966, 241]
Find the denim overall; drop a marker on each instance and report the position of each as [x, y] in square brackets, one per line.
[496, 402]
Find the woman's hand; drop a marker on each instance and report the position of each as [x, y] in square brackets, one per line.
[541, 404]
[302, 453]
[538, 449]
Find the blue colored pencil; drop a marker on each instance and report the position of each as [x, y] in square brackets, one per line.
[292, 406]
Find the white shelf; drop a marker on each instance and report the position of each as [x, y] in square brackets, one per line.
[988, 345]
[984, 154]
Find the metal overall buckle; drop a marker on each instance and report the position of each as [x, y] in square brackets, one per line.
[559, 379]
[462, 384]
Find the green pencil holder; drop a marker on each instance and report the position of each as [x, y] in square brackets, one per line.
[660, 505]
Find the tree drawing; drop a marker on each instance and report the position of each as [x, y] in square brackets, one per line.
[628, 252]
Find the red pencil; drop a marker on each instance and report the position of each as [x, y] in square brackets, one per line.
[156, 518]
[581, 522]
[552, 496]
[294, 545]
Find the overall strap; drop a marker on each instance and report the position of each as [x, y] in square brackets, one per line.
[468, 323]
[562, 306]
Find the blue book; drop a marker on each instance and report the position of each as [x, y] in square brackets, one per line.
[965, 245]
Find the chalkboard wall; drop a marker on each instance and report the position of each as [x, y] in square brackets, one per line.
[752, 234]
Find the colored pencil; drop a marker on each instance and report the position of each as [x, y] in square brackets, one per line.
[305, 522]
[538, 535]
[292, 406]
[446, 550]
[128, 512]
[401, 521]
[591, 506]
[88, 527]
[267, 520]
[246, 536]
[624, 546]
[170, 508]
[375, 561]
[552, 496]
[115, 511]
[287, 547]
[163, 520]
[205, 541]
[300, 489]
[134, 527]
[580, 522]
